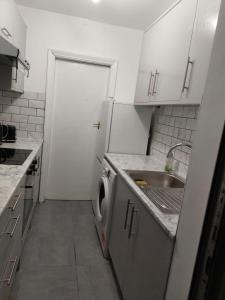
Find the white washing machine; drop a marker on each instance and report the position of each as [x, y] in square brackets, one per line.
[104, 204]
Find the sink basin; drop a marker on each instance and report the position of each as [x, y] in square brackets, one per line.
[163, 189]
[155, 179]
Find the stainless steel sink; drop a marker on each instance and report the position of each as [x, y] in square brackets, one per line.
[155, 179]
[163, 189]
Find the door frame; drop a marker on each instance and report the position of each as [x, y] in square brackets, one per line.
[54, 55]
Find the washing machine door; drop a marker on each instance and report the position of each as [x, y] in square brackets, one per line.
[102, 203]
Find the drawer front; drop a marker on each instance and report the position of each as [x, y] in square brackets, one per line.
[4, 238]
[9, 271]
[11, 234]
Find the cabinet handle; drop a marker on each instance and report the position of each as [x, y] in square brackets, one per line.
[131, 232]
[8, 279]
[6, 33]
[189, 63]
[31, 186]
[129, 203]
[11, 233]
[14, 205]
[150, 84]
[155, 81]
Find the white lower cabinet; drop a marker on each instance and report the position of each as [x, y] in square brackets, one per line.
[140, 250]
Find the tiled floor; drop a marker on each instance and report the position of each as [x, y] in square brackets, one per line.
[62, 259]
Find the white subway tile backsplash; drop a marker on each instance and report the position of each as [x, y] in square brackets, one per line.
[180, 122]
[22, 134]
[27, 127]
[174, 124]
[40, 112]
[40, 128]
[25, 111]
[28, 111]
[36, 120]
[20, 102]
[5, 117]
[11, 109]
[5, 100]
[37, 104]
[191, 124]
[19, 118]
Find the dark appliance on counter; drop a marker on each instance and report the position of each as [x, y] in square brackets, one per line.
[31, 193]
[9, 134]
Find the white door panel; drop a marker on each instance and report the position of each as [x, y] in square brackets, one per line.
[79, 91]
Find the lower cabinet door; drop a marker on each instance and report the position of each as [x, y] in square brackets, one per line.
[150, 252]
[119, 241]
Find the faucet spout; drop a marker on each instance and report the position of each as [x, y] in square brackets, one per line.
[170, 156]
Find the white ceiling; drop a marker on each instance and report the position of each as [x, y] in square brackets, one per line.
[129, 13]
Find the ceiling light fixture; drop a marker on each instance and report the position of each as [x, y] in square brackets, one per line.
[96, 1]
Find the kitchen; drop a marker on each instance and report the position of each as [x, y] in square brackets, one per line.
[112, 156]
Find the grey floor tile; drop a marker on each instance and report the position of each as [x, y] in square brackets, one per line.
[96, 282]
[53, 217]
[55, 283]
[61, 248]
[47, 250]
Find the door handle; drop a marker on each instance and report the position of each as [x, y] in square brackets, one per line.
[189, 62]
[131, 232]
[14, 205]
[8, 279]
[11, 233]
[154, 91]
[129, 203]
[150, 84]
[97, 125]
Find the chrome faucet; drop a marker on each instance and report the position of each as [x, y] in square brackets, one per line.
[170, 156]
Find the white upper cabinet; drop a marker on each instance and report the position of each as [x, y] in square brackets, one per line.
[12, 26]
[6, 19]
[201, 48]
[176, 53]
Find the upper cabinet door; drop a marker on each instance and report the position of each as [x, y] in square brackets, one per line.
[174, 32]
[201, 48]
[12, 26]
[164, 58]
[7, 8]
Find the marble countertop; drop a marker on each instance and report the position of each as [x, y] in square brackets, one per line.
[122, 162]
[10, 175]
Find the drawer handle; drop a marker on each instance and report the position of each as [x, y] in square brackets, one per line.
[31, 186]
[8, 279]
[14, 205]
[11, 233]
[6, 33]
[131, 232]
[129, 203]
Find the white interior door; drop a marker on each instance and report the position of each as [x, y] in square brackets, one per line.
[80, 90]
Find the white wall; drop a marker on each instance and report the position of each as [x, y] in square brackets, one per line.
[47, 30]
